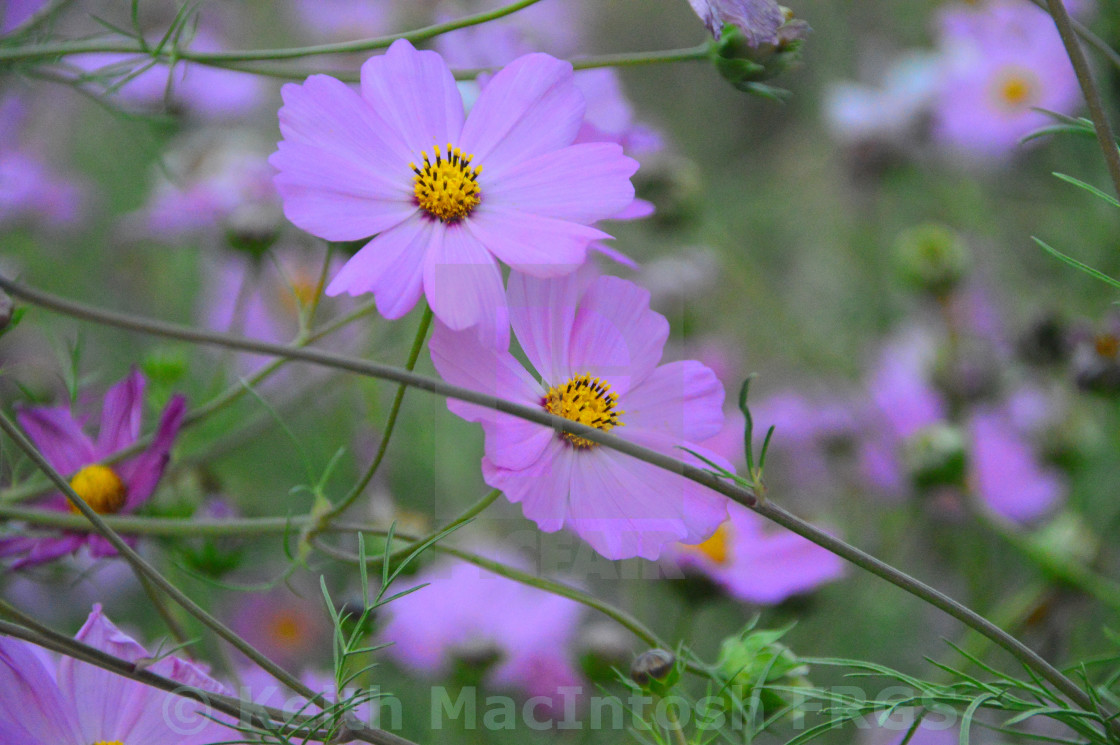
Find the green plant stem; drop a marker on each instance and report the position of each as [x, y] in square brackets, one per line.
[261, 715]
[390, 423]
[143, 568]
[1105, 138]
[50, 51]
[173, 626]
[539, 416]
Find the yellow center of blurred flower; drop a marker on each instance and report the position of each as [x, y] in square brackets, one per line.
[108, 742]
[1016, 89]
[302, 292]
[286, 629]
[101, 488]
[447, 187]
[1107, 346]
[717, 547]
[586, 400]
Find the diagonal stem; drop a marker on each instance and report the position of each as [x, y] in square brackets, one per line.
[1105, 138]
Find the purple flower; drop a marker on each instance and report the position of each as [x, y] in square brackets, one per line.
[759, 20]
[1006, 475]
[15, 13]
[759, 565]
[79, 704]
[29, 187]
[119, 488]
[596, 345]
[469, 613]
[286, 627]
[446, 195]
[343, 19]
[1003, 60]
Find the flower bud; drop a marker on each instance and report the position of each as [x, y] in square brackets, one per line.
[745, 65]
[931, 258]
[655, 670]
[744, 660]
[935, 456]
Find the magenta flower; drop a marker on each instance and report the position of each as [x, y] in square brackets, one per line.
[469, 613]
[79, 704]
[759, 565]
[596, 345]
[119, 488]
[443, 194]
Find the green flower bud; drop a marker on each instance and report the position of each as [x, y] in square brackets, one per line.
[656, 671]
[931, 258]
[755, 659]
[746, 66]
[935, 456]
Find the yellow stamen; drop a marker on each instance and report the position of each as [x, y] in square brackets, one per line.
[586, 400]
[287, 629]
[717, 547]
[108, 742]
[446, 188]
[1016, 89]
[101, 488]
[1107, 346]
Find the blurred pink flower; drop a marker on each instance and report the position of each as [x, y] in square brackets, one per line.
[30, 189]
[1005, 473]
[344, 19]
[510, 184]
[463, 610]
[1003, 59]
[117, 489]
[756, 564]
[596, 345]
[290, 629]
[759, 20]
[79, 704]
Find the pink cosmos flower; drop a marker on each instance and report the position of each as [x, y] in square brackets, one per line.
[466, 611]
[1003, 60]
[1007, 476]
[596, 345]
[79, 704]
[759, 565]
[119, 488]
[290, 629]
[443, 194]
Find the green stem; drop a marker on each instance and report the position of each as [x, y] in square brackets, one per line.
[1105, 138]
[49, 51]
[390, 423]
[538, 415]
[142, 567]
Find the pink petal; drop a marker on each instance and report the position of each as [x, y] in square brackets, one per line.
[542, 312]
[515, 443]
[616, 335]
[59, 437]
[390, 266]
[613, 254]
[541, 246]
[416, 95]
[541, 488]
[463, 360]
[529, 108]
[682, 399]
[623, 507]
[32, 709]
[142, 473]
[770, 567]
[42, 550]
[121, 414]
[464, 286]
[580, 183]
[343, 175]
[636, 210]
[1006, 474]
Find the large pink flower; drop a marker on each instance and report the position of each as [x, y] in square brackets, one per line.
[596, 345]
[444, 194]
[78, 704]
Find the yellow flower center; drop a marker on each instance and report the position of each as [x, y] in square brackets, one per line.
[446, 188]
[101, 488]
[717, 547]
[1016, 89]
[305, 287]
[108, 742]
[586, 400]
[286, 630]
[1107, 346]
